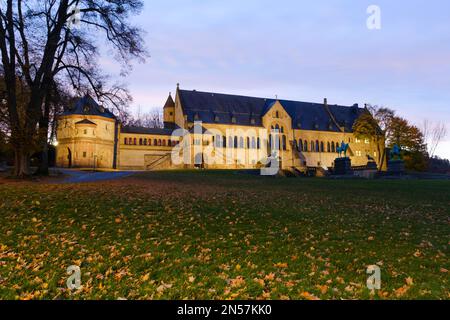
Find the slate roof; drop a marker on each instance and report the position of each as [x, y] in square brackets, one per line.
[220, 108]
[142, 130]
[89, 107]
[169, 103]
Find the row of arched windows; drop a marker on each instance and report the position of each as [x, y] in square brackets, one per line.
[236, 142]
[150, 142]
[316, 146]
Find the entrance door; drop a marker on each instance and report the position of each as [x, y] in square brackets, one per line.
[69, 157]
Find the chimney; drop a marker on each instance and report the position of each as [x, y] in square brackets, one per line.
[325, 102]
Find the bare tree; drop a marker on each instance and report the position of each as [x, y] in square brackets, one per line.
[152, 119]
[434, 134]
[48, 42]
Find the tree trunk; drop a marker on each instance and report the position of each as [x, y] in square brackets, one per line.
[22, 163]
[43, 160]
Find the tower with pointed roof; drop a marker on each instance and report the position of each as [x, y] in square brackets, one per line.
[169, 112]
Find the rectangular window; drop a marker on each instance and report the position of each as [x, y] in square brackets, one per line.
[367, 141]
[85, 131]
[84, 154]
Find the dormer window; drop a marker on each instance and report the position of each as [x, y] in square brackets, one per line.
[316, 126]
[233, 119]
[253, 121]
[196, 117]
[216, 118]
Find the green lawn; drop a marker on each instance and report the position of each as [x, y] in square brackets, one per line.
[217, 235]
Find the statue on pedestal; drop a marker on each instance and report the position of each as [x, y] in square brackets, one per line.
[342, 149]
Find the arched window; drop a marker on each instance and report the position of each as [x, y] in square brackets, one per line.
[155, 142]
[230, 142]
[169, 143]
[328, 147]
[236, 145]
[140, 141]
[333, 149]
[313, 146]
[305, 146]
[258, 143]
[295, 145]
[253, 143]
[282, 129]
[277, 128]
[300, 145]
[322, 147]
[164, 143]
[135, 141]
[248, 143]
[270, 142]
[277, 114]
[224, 141]
[218, 141]
[241, 142]
[284, 143]
[159, 143]
[126, 140]
[145, 141]
[317, 146]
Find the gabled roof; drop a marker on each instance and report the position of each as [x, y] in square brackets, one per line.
[86, 121]
[89, 107]
[220, 108]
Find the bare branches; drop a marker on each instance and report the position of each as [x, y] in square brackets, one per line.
[434, 134]
[39, 49]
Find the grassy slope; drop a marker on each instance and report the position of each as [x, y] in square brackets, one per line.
[221, 235]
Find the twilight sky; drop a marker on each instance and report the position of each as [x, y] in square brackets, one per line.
[299, 50]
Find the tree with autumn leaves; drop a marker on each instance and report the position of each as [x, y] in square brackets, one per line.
[387, 129]
[51, 46]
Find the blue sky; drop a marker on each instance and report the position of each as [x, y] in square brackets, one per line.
[301, 50]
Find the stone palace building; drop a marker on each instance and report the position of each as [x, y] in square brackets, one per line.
[217, 131]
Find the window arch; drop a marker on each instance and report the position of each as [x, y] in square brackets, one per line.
[313, 146]
[126, 140]
[135, 141]
[305, 146]
[258, 143]
[284, 143]
[328, 147]
[224, 141]
[317, 146]
[155, 142]
[333, 149]
[140, 142]
[322, 147]
[241, 142]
